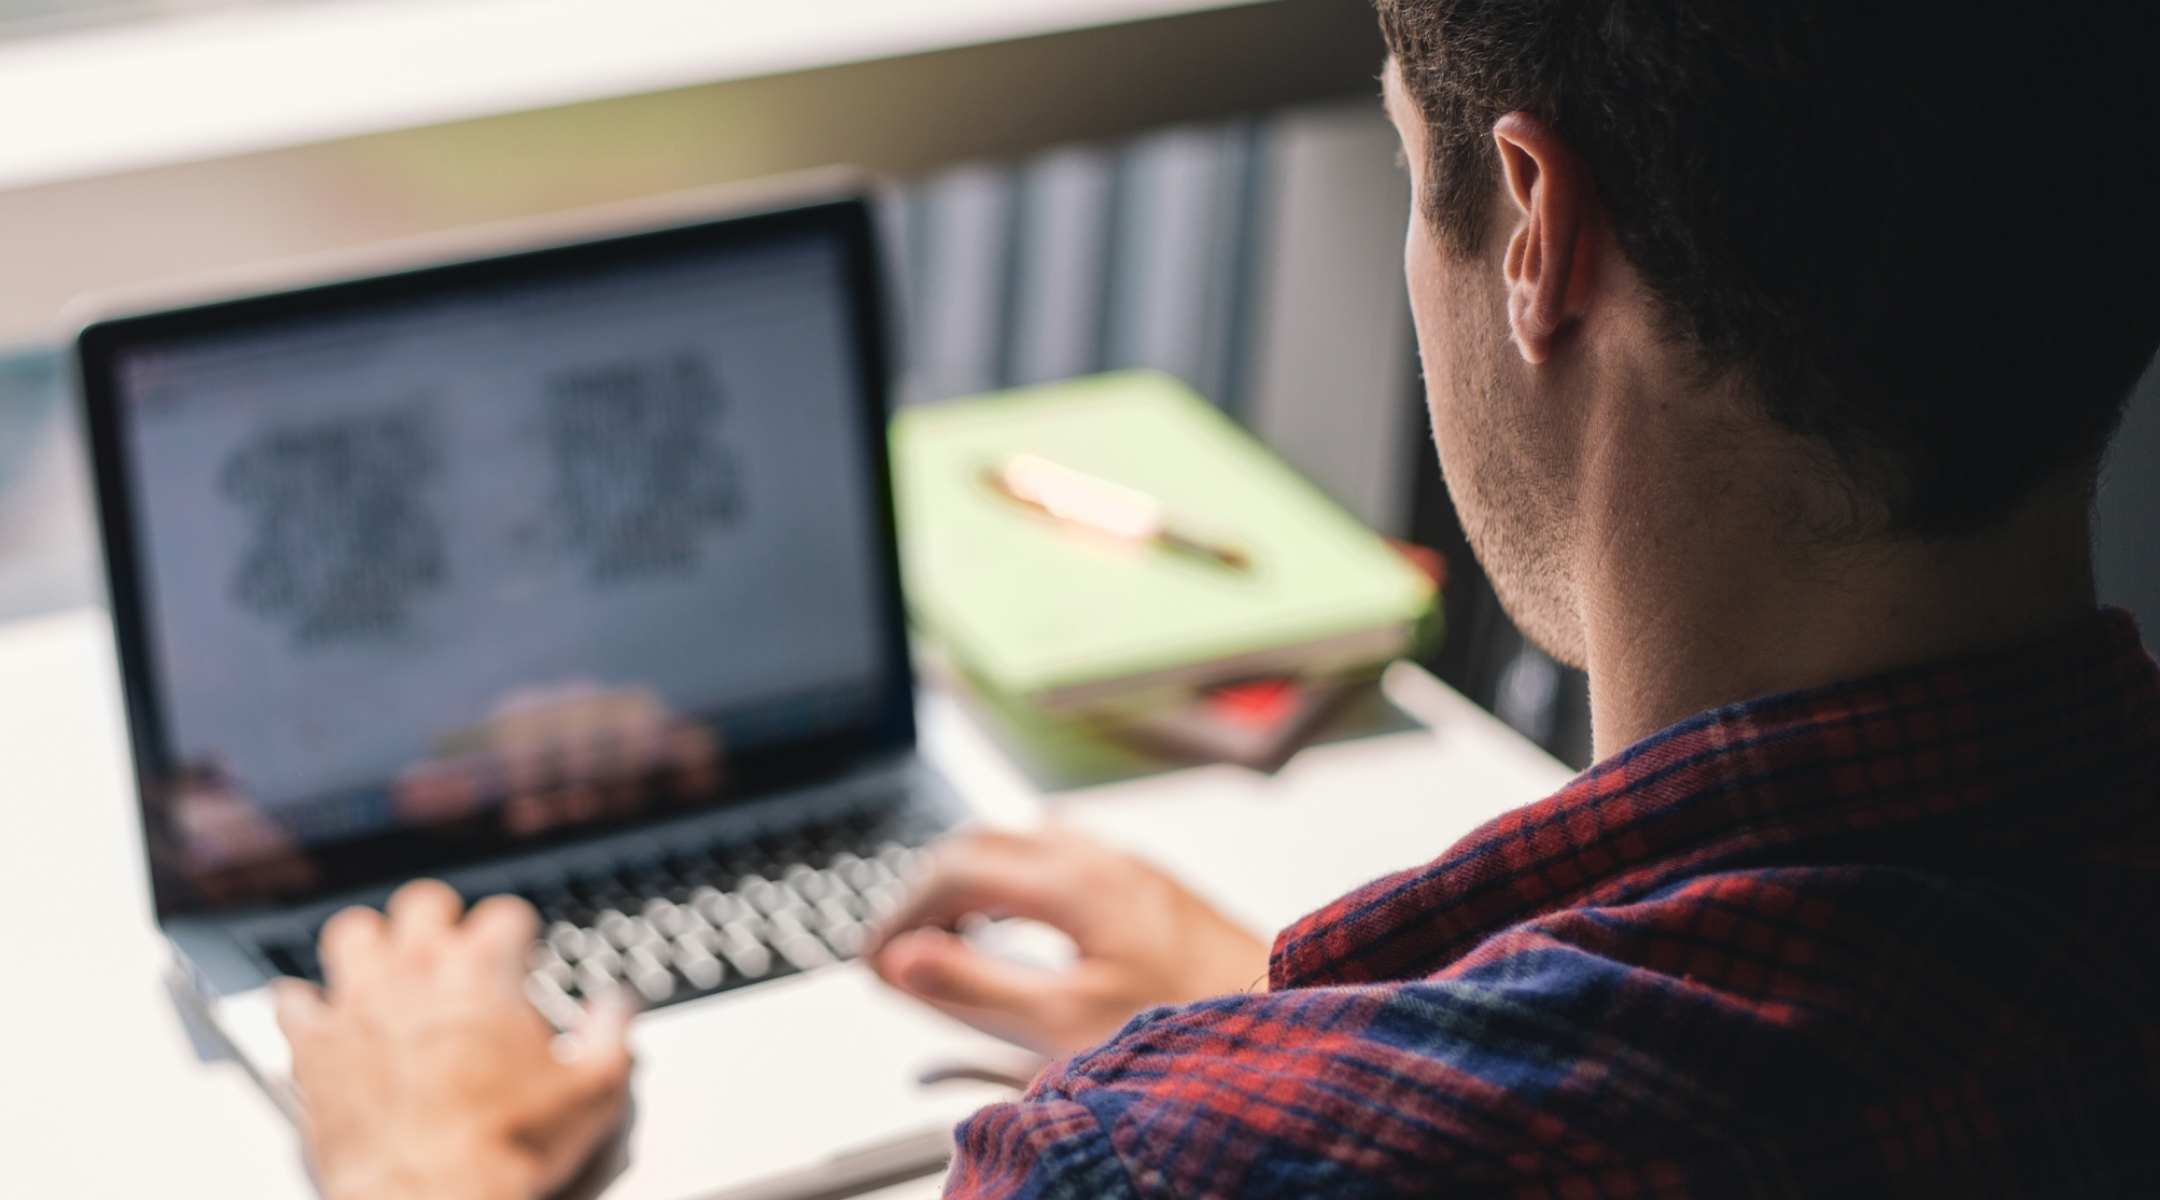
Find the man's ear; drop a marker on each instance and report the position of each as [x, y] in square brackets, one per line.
[1551, 255]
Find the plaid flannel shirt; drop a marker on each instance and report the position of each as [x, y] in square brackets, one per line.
[1887, 938]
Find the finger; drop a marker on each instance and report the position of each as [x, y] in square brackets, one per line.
[506, 919]
[498, 930]
[352, 947]
[1008, 874]
[423, 909]
[997, 998]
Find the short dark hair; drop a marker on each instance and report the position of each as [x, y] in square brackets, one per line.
[1925, 232]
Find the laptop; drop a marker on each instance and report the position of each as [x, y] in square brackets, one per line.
[569, 572]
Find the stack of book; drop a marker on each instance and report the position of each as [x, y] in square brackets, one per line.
[1112, 561]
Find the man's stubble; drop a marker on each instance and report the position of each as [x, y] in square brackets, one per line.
[1505, 471]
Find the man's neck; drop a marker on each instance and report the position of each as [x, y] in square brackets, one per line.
[1688, 610]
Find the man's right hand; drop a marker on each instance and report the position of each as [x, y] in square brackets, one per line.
[427, 1074]
[1142, 939]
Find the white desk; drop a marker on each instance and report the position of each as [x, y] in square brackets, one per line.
[103, 1096]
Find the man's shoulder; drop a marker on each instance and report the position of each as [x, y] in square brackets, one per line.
[1840, 1012]
[1869, 939]
[1823, 961]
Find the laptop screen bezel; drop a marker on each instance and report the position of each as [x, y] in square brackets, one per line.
[100, 347]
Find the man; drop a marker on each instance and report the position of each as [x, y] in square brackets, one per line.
[1770, 349]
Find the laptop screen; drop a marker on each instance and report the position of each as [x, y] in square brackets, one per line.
[425, 567]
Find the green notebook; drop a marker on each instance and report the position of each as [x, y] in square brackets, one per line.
[1076, 620]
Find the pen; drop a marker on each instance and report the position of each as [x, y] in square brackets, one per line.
[1095, 503]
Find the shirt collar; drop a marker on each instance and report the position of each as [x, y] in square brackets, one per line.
[1955, 766]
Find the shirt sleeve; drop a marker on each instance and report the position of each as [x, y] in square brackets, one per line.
[1518, 1073]
[1325, 1091]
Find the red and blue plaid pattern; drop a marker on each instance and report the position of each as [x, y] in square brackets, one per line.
[1889, 938]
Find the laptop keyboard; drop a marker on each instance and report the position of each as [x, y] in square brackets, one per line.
[701, 919]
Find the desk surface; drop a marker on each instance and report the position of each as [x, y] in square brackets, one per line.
[105, 1097]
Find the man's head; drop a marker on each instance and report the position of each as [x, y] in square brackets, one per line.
[1914, 239]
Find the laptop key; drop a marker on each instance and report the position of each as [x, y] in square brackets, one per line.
[766, 896]
[804, 951]
[665, 917]
[873, 874]
[744, 951]
[839, 927]
[853, 871]
[812, 885]
[882, 900]
[593, 981]
[567, 940]
[696, 962]
[838, 888]
[795, 942]
[543, 961]
[897, 858]
[846, 940]
[600, 956]
[648, 974]
[692, 921]
[623, 931]
[553, 1002]
[718, 907]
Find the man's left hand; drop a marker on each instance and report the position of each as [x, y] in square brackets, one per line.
[425, 1072]
[1141, 937]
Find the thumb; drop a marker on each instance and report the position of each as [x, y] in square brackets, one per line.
[934, 966]
[301, 1009]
